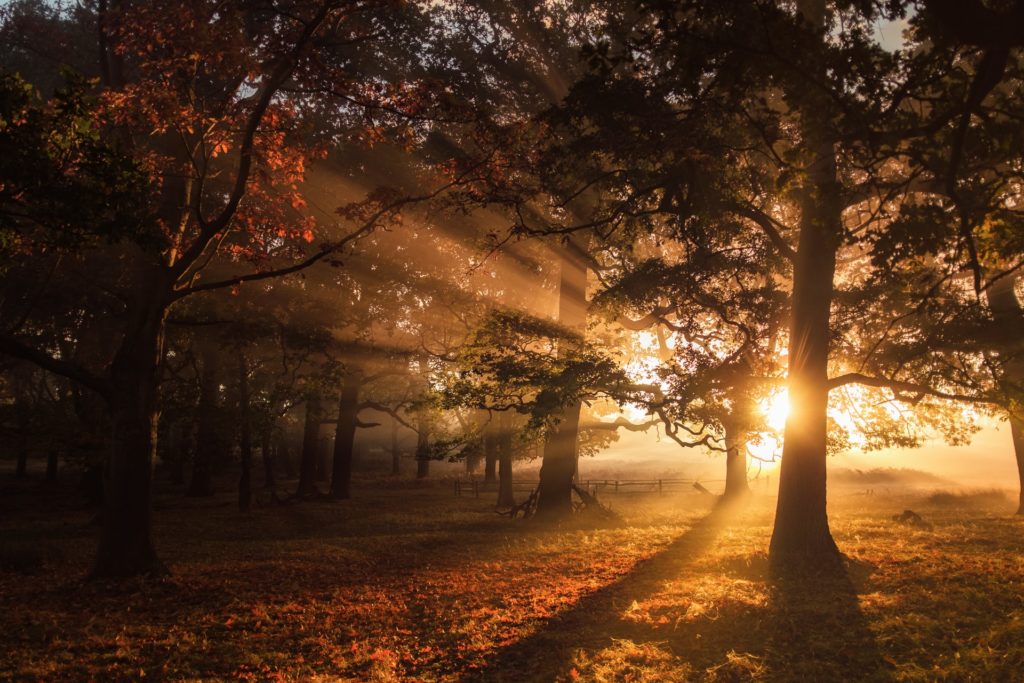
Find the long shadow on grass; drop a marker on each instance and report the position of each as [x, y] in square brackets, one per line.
[817, 631]
[595, 619]
[809, 627]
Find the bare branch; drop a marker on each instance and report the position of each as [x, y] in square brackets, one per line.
[18, 349]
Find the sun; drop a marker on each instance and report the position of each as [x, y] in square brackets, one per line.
[776, 410]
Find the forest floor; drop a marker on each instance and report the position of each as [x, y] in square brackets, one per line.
[411, 583]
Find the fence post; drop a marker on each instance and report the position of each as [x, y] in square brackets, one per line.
[659, 487]
[616, 486]
[476, 489]
[458, 488]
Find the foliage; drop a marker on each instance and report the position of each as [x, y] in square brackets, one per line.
[63, 186]
[533, 367]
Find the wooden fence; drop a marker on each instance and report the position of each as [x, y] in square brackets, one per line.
[474, 487]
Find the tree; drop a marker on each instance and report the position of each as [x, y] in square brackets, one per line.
[210, 103]
[796, 122]
[722, 309]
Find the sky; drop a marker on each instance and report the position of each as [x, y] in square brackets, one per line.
[988, 462]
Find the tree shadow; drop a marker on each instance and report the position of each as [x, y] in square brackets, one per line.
[595, 619]
[807, 626]
[818, 631]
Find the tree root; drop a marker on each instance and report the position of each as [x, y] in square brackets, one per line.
[587, 503]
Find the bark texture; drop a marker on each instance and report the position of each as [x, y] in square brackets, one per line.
[801, 535]
[244, 436]
[126, 544]
[558, 465]
[201, 483]
[345, 436]
[310, 444]
[736, 485]
[396, 454]
[1009, 317]
[506, 495]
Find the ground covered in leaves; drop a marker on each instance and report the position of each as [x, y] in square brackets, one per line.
[410, 583]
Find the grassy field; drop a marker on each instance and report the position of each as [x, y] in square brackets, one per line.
[411, 583]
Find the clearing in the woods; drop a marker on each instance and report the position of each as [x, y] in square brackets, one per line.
[409, 582]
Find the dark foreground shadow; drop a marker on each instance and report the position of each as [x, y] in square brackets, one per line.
[810, 628]
[817, 630]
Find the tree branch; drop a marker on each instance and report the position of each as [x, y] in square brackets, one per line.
[768, 226]
[380, 407]
[13, 347]
[620, 422]
[903, 391]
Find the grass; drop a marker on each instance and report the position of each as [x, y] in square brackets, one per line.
[411, 583]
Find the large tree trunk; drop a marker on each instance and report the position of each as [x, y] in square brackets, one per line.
[801, 534]
[1009, 317]
[558, 466]
[310, 445]
[126, 545]
[206, 427]
[345, 436]
[244, 437]
[506, 495]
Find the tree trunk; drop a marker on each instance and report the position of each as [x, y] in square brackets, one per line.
[1017, 430]
[423, 450]
[310, 445]
[1009, 317]
[267, 455]
[506, 496]
[396, 455]
[472, 462]
[244, 437]
[801, 535]
[322, 450]
[558, 465]
[283, 455]
[490, 455]
[345, 436]
[206, 428]
[736, 485]
[425, 418]
[126, 544]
